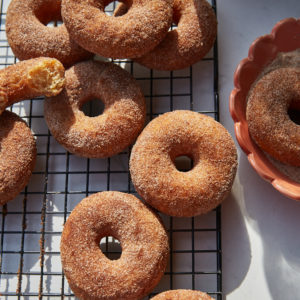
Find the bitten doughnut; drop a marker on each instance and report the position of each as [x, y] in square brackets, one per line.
[137, 32]
[29, 37]
[29, 79]
[182, 295]
[17, 155]
[174, 134]
[186, 44]
[267, 114]
[106, 134]
[144, 242]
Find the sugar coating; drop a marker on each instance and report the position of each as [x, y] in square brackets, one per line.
[189, 42]
[106, 134]
[29, 37]
[17, 155]
[145, 250]
[267, 114]
[182, 295]
[183, 194]
[137, 32]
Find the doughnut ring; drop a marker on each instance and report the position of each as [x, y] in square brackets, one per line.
[186, 44]
[106, 134]
[182, 295]
[183, 194]
[29, 37]
[267, 114]
[17, 155]
[144, 241]
[29, 79]
[137, 32]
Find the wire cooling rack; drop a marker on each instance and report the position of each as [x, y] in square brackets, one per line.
[31, 224]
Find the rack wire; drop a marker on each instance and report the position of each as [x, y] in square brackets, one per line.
[31, 224]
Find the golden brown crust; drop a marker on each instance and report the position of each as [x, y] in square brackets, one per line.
[176, 193]
[182, 295]
[137, 32]
[144, 248]
[107, 134]
[189, 42]
[28, 36]
[29, 79]
[267, 114]
[17, 155]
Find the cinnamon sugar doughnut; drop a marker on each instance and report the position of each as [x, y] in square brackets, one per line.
[183, 194]
[106, 134]
[186, 44]
[267, 114]
[17, 155]
[29, 79]
[182, 295]
[91, 275]
[29, 37]
[137, 32]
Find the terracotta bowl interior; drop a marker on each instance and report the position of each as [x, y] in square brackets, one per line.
[285, 37]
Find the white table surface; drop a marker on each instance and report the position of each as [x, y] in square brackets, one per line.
[260, 227]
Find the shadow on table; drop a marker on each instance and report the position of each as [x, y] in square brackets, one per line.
[277, 220]
[236, 250]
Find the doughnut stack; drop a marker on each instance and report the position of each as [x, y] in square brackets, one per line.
[138, 30]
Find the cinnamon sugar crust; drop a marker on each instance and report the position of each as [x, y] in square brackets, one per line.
[182, 295]
[189, 42]
[137, 32]
[145, 250]
[267, 114]
[17, 155]
[109, 133]
[29, 37]
[183, 194]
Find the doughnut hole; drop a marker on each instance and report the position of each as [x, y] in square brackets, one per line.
[294, 111]
[49, 13]
[183, 163]
[116, 9]
[93, 107]
[47, 78]
[173, 26]
[176, 18]
[55, 23]
[110, 247]
[183, 155]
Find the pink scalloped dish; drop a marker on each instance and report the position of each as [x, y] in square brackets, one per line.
[284, 37]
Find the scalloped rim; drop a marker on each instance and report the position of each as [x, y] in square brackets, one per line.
[256, 157]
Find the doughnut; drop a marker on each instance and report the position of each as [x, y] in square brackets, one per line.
[29, 79]
[189, 42]
[17, 155]
[144, 242]
[267, 114]
[106, 134]
[29, 37]
[182, 295]
[174, 134]
[137, 32]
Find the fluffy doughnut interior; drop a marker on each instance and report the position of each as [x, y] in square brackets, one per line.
[47, 78]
